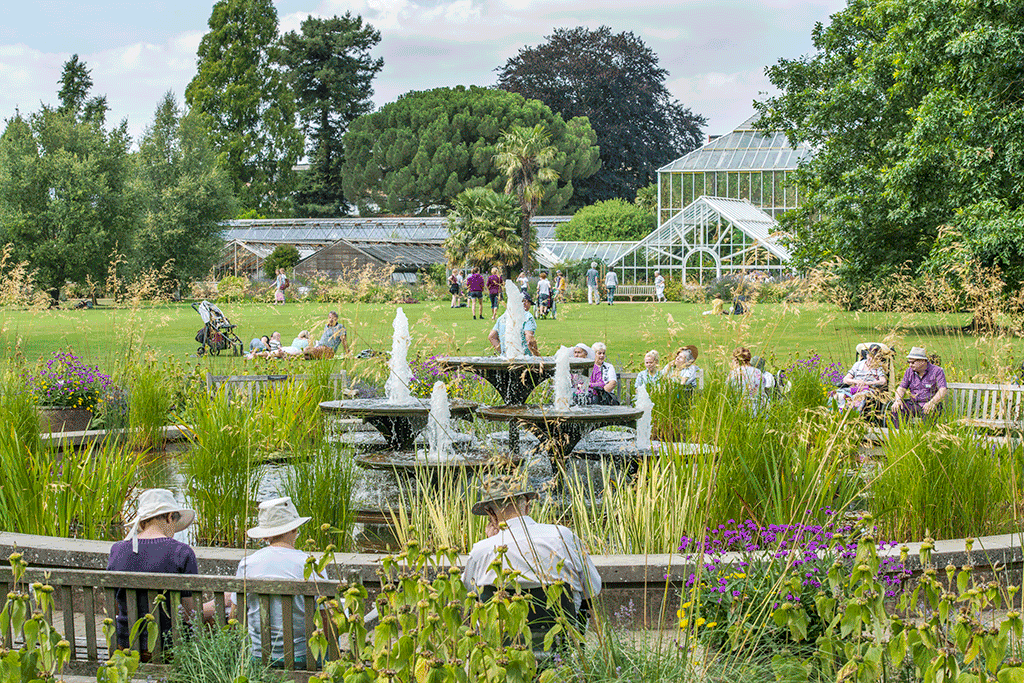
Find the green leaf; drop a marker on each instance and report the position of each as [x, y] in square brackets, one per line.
[1014, 674]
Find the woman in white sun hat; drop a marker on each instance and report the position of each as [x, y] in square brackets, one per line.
[150, 547]
[279, 524]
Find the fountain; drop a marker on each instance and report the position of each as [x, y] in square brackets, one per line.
[399, 416]
[643, 425]
[439, 427]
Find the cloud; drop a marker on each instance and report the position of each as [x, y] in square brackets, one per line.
[726, 99]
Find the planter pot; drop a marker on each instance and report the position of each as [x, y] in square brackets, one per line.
[64, 419]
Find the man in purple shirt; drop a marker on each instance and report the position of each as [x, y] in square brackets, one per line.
[923, 387]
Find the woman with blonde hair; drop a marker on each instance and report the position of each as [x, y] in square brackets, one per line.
[650, 375]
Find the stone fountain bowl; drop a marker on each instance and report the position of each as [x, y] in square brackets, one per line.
[365, 440]
[409, 463]
[371, 407]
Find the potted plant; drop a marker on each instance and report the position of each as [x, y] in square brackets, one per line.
[66, 392]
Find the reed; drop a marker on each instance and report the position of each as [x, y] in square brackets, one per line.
[438, 505]
[947, 482]
[149, 404]
[320, 484]
[18, 409]
[222, 469]
[74, 493]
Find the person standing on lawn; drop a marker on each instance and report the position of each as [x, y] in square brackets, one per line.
[475, 285]
[659, 286]
[593, 296]
[611, 281]
[494, 291]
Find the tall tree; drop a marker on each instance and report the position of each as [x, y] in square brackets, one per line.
[484, 228]
[64, 197]
[330, 69]
[418, 153]
[525, 156]
[915, 110]
[184, 192]
[613, 79]
[242, 90]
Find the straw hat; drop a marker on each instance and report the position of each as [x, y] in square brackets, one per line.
[500, 491]
[277, 516]
[917, 353]
[156, 503]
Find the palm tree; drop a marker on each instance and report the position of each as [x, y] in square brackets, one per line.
[484, 228]
[525, 156]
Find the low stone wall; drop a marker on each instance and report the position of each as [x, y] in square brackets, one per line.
[643, 589]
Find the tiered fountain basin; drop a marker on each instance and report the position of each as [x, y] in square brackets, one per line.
[398, 423]
[558, 431]
[513, 378]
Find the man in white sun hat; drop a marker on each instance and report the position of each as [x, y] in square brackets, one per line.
[542, 553]
[923, 387]
[150, 547]
[279, 524]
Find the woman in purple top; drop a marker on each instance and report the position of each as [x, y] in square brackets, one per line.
[494, 289]
[923, 387]
[475, 285]
[150, 547]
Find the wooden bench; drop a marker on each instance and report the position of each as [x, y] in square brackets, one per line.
[250, 386]
[988, 406]
[83, 598]
[634, 291]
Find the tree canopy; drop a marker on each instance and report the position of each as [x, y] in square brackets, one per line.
[915, 111]
[251, 109]
[419, 152]
[330, 69]
[64, 200]
[612, 220]
[484, 229]
[525, 156]
[613, 79]
[183, 192]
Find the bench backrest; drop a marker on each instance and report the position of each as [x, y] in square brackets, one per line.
[250, 386]
[85, 597]
[997, 402]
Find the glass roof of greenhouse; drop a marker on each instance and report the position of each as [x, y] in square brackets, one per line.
[739, 212]
[744, 149]
[328, 230]
[552, 252]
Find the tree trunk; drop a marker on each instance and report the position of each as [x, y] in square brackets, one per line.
[524, 233]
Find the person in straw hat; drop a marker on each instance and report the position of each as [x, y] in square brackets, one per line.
[278, 525]
[922, 388]
[542, 553]
[150, 547]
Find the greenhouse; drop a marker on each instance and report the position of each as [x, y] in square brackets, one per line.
[711, 237]
[744, 164]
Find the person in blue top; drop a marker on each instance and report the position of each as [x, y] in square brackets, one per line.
[529, 340]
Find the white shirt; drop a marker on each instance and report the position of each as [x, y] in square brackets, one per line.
[276, 563]
[860, 372]
[659, 282]
[611, 279]
[535, 550]
[543, 287]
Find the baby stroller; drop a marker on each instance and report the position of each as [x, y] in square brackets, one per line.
[217, 333]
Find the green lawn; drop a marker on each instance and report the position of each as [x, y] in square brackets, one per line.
[777, 331]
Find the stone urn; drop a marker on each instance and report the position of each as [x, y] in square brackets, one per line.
[53, 419]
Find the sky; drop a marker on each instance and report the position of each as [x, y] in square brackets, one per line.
[715, 51]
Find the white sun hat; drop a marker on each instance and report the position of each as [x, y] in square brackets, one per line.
[276, 517]
[156, 503]
[917, 353]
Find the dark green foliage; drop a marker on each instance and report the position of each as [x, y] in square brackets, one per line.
[915, 111]
[284, 256]
[330, 69]
[184, 193]
[485, 229]
[607, 221]
[64, 201]
[249, 104]
[418, 153]
[615, 82]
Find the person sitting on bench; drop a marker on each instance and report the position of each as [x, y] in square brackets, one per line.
[541, 553]
[922, 389]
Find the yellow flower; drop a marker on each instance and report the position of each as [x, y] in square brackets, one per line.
[687, 604]
[713, 624]
[683, 623]
[700, 622]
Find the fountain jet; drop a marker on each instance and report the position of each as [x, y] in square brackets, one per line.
[514, 317]
[643, 425]
[396, 390]
[439, 425]
[563, 383]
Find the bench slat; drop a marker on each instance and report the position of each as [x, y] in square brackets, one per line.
[287, 606]
[220, 608]
[67, 603]
[110, 599]
[265, 639]
[89, 609]
[310, 604]
[131, 595]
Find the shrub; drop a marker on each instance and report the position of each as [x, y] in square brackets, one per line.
[233, 288]
[610, 220]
